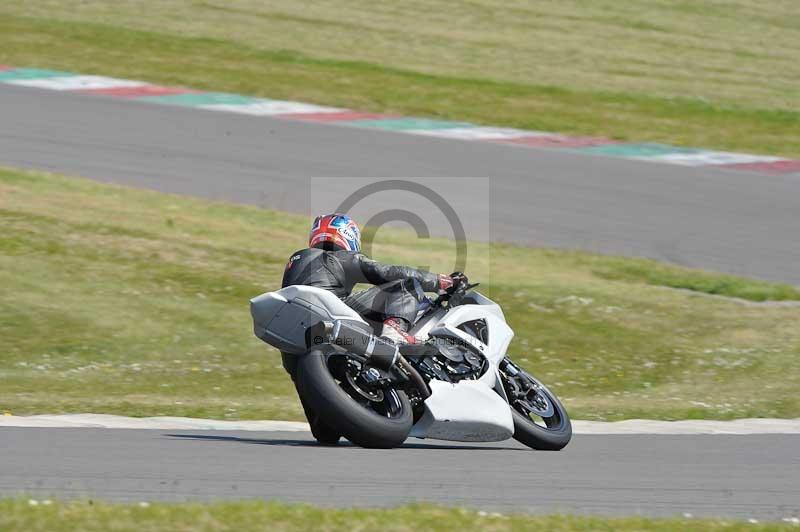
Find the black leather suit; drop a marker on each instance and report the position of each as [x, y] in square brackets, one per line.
[397, 293]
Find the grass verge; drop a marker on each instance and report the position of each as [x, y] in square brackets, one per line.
[115, 300]
[520, 67]
[32, 515]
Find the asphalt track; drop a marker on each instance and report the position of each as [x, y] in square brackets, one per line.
[748, 477]
[719, 219]
[724, 220]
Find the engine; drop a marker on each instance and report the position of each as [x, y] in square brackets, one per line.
[448, 360]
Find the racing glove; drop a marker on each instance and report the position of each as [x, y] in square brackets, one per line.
[450, 283]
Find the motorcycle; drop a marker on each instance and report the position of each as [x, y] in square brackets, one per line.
[458, 384]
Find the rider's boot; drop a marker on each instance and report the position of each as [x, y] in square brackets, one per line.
[396, 330]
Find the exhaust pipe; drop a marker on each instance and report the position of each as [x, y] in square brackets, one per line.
[381, 353]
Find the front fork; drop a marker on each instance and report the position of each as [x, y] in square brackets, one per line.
[523, 395]
[508, 367]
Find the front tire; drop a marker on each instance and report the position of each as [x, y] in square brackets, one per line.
[540, 420]
[536, 437]
[360, 421]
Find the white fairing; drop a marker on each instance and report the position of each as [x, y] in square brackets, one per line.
[465, 411]
[470, 410]
[336, 308]
[282, 318]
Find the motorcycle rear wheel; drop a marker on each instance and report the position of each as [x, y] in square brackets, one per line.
[368, 423]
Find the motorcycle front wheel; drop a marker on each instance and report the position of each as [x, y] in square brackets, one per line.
[540, 420]
[332, 385]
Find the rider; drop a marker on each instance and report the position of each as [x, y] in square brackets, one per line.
[333, 261]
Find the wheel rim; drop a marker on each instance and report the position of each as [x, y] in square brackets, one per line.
[538, 403]
[352, 377]
[533, 401]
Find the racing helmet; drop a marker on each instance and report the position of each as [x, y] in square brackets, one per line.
[335, 231]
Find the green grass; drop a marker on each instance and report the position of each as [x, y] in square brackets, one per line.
[124, 301]
[686, 73]
[659, 274]
[49, 516]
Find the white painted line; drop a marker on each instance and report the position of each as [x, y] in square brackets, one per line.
[631, 426]
[691, 426]
[106, 421]
[271, 107]
[478, 133]
[710, 158]
[71, 83]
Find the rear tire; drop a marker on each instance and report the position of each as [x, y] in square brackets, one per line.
[322, 433]
[341, 414]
